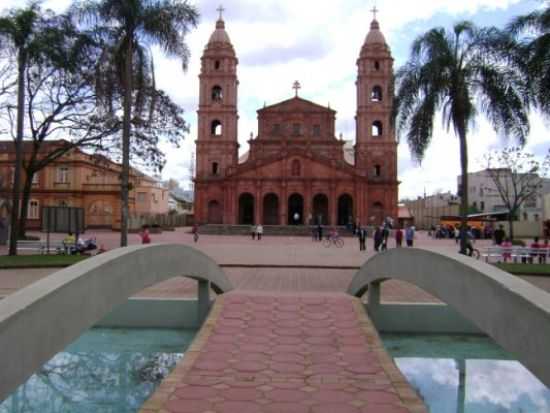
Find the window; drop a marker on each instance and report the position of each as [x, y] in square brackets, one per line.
[215, 170]
[376, 65]
[216, 128]
[536, 217]
[63, 203]
[296, 129]
[63, 174]
[277, 129]
[377, 170]
[217, 93]
[316, 130]
[217, 65]
[482, 206]
[35, 180]
[525, 216]
[376, 94]
[376, 128]
[141, 196]
[33, 211]
[295, 168]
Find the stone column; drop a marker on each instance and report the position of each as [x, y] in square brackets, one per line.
[284, 205]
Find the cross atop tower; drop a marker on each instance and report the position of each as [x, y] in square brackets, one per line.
[296, 86]
[220, 10]
[374, 10]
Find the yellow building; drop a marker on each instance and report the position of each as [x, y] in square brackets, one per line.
[78, 179]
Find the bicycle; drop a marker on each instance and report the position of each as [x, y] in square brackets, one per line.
[333, 240]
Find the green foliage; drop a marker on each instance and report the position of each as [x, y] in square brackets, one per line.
[40, 261]
[524, 268]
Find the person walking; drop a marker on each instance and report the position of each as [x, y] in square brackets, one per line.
[259, 231]
[409, 236]
[378, 237]
[195, 232]
[144, 235]
[398, 237]
[362, 234]
[385, 236]
[499, 235]
[253, 231]
[319, 232]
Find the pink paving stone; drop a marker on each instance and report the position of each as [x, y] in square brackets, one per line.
[320, 340]
[286, 408]
[187, 406]
[288, 358]
[335, 408]
[255, 340]
[286, 395]
[257, 331]
[210, 365]
[353, 340]
[316, 316]
[254, 348]
[285, 316]
[325, 358]
[196, 392]
[378, 397]
[288, 323]
[238, 407]
[249, 357]
[384, 408]
[201, 380]
[322, 349]
[364, 368]
[240, 394]
[287, 367]
[325, 368]
[219, 347]
[317, 332]
[313, 300]
[332, 396]
[354, 349]
[294, 332]
[222, 338]
[294, 384]
[319, 323]
[287, 348]
[250, 366]
[287, 340]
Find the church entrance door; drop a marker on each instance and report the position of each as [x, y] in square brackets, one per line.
[214, 213]
[271, 210]
[295, 209]
[345, 210]
[246, 209]
[320, 209]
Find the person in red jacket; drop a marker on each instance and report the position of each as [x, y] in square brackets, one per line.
[398, 237]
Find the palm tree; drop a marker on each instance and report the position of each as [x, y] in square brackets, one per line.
[533, 53]
[30, 35]
[459, 73]
[128, 29]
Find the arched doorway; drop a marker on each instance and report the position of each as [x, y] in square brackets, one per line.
[320, 209]
[215, 213]
[377, 214]
[100, 215]
[271, 209]
[345, 210]
[295, 209]
[246, 209]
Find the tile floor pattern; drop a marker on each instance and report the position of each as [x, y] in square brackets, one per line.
[286, 353]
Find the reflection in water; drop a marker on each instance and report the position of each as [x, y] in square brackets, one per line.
[86, 378]
[492, 384]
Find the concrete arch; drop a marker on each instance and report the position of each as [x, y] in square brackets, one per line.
[39, 321]
[511, 311]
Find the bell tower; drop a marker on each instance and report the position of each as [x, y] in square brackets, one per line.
[217, 142]
[376, 146]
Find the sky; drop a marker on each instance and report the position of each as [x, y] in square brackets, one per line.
[317, 42]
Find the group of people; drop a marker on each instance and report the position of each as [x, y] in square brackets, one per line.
[381, 237]
[73, 245]
[539, 253]
[256, 231]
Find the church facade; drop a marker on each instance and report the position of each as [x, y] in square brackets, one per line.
[296, 171]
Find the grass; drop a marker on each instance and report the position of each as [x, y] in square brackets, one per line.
[525, 269]
[39, 261]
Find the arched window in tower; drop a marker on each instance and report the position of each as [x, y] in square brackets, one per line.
[296, 129]
[377, 171]
[377, 65]
[295, 169]
[217, 65]
[216, 128]
[376, 129]
[376, 94]
[217, 93]
[215, 168]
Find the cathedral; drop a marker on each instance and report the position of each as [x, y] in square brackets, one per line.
[296, 170]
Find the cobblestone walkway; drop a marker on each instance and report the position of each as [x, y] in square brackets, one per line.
[286, 353]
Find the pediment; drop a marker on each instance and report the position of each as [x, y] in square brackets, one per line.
[296, 104]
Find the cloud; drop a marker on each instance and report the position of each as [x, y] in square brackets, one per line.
[309, 49]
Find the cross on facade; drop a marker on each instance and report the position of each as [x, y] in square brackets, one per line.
[296, 86]
[374, 11]
[220, 10]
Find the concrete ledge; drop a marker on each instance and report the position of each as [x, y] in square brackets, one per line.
[42, 319]
[511, 311]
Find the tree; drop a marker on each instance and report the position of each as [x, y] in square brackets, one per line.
[458, 72]
[128, 28]
[517, 176]
[532, 54]
[30, 35]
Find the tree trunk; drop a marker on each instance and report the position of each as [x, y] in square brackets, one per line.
[27, 188]
[126, 147]
[511, 226]
[21, 63]
[464, 184]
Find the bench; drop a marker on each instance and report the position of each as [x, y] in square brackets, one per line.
[42, 246]
[515, 254]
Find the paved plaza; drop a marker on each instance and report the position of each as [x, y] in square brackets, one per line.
[277, 264]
